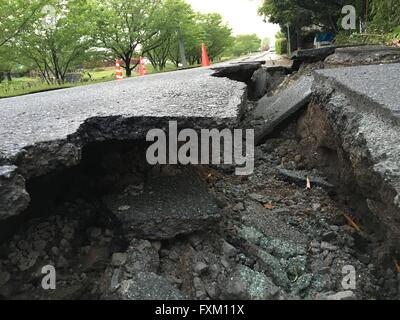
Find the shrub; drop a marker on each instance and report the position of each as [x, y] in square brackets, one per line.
[281, 46]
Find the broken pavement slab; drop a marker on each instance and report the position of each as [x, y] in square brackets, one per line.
[362, 108]
[276, 109]
[363, 55]
[169, 206]
[46, 131]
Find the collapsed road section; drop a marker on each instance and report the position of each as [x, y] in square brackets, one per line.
[78, 194]
[47, 131]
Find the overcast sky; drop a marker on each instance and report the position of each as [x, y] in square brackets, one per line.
[241, 15]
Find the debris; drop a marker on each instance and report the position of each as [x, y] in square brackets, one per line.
[200, 267]
[342, 295]
[302, 178]
[308, 186]
[351, 222]
[4, 278]
[268, 206]
[247, 284]
[397, 266]
[118, 259]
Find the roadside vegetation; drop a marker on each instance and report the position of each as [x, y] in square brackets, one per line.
[378, 21]
[50, 44]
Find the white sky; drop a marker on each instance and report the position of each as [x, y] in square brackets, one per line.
[241, 15]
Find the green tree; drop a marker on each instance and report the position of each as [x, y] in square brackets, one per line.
[60, 45]
[15, 16]
[385, 14]
[245, 44]
[126, 26]
[178, 20]
[215, 34]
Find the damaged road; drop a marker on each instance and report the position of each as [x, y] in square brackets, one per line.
[322, 198]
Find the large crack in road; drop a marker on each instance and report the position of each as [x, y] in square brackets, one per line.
[86, 201]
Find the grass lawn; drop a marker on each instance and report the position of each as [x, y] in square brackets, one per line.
[25, 85]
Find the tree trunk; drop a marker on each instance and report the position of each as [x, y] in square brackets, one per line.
[128, 68]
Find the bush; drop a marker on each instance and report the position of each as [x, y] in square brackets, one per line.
[281, 46]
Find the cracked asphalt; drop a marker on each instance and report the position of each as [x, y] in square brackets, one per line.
[54, 115]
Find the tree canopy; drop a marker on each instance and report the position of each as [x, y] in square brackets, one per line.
[56, 36]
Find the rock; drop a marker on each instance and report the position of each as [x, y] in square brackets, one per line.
[39, 245]
[28, 262]
[343, 295]
[327, 246]
[259, 83]
[228, 249]
[200, 267]
[95, 233]
[124, 208]
[212, 290]
[238, 207]
[258, 197]
[329, 236]
[118, 259]
[177, 205]
[156, 245]
[147, 286]
[316, 207]
[4, 278]
[246, 284]
[55, 251]
[273, 268]
[62, 262]
[195, 240]
[302, 283]
[141, 257]
[64, 243]
[13, 197]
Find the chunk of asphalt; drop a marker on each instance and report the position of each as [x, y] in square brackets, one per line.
[362, 105]
[274, 110]
[47, 131]
[169, 206]
[363, 55]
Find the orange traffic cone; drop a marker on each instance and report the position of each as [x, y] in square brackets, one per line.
[118, 70]
[205, 62]
[142, 68]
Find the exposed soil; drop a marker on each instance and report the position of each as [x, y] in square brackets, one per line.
[284, 232]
